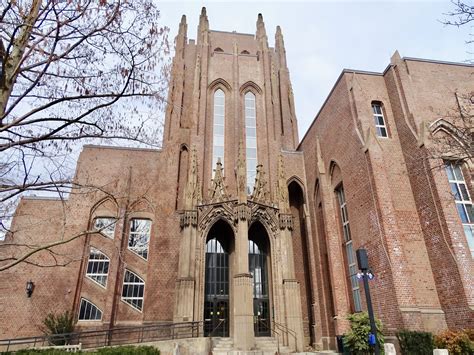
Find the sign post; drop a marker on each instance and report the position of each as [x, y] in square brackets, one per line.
[363, 263]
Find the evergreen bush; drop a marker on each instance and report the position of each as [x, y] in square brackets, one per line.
[357, 339]
[415, 343]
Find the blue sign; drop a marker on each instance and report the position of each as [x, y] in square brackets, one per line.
[371, 339]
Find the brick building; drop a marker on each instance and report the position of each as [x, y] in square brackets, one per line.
[237, 223]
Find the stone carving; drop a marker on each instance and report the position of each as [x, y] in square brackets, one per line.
[266, 215]
[243, 212]
[282, 189]
[217, 192]
[241, 174]
[188, 218]
[260, 191]
[286, 221]
[192, 192]
[208, 214]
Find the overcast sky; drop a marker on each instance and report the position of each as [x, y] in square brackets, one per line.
[324, 37]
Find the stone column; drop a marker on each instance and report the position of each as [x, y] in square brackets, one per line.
[183, 311]
[244, 338]
[291, 286]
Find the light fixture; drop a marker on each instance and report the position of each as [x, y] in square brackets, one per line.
[29, 288]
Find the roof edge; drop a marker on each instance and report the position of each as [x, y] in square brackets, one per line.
[98, 146]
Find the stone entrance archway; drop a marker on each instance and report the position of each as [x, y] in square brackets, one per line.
[219, 245]
[259, 268]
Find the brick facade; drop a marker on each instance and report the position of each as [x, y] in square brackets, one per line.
[399, 203]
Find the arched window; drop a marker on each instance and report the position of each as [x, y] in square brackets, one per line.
[133, 290]
[349, 250]
[105, 225]
[250, 140]
[218, 49]
[89, 311]
[245, 52]
[139, 237]
[218, 128]
[98, 267]
[380, 125]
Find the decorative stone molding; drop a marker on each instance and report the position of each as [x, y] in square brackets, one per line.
[209, 213]
[243, 213]
[286, 221]
[188, 218]
[217, 192]
[260, 191]
[266, 215]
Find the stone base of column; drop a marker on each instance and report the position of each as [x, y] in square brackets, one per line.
[183, 311]
[243, 334]
[294, 318]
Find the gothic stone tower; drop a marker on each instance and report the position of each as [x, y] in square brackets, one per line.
[232, 122]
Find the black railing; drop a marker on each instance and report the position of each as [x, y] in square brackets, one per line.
[109, 337]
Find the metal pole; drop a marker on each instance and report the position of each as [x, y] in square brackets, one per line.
[373, 328]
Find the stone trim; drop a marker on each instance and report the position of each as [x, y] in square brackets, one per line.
[286, 221]
[188, 218]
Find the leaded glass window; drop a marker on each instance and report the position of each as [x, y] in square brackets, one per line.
[89, 311]
[139, 237]
[98, 267]
[250, 140]
[380, 127]
[105, 225]
[349, 250]
[133, 290]
[218, 128]
[463, 201]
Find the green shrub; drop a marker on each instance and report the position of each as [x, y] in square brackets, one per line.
[415, 343]
[356, 340]
[118, 350]
[59, 324]
[128, 350]
[457, 342]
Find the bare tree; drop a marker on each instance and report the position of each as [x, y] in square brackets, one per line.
[453, 135]
[73, 71]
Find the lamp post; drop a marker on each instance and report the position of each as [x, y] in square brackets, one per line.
[363, 263]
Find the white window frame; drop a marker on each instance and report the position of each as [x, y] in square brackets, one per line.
[462, 200]
[105, 225]
[250, 113]
[218, 124]
[351, 260]
[97, 262]
[85, 302]
[378, 116]
[142, 243]
[130, 299]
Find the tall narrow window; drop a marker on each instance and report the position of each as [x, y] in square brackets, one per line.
[380, 127]
[463, 201]
[218, 128]
[250, 140]
[349, 250]
[98, 267]
[139, 236]
[133, 290]
[89, 311]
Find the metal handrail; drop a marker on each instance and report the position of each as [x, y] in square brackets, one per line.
[114, 336]
[285, 329]
[271, 329]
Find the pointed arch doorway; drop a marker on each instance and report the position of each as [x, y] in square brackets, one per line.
[259, 262]
[219, 244]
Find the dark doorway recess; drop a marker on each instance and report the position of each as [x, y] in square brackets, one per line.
[216, 292]
[258, 267]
